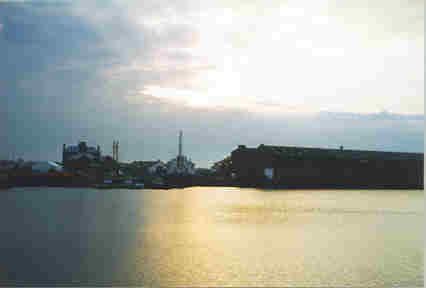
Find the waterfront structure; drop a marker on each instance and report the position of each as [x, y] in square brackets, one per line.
[156, 167]
[79, 156]
[46, 166]
[181, 164]
[73, 152]
[7, 164]
[302, 167]
[148, 167]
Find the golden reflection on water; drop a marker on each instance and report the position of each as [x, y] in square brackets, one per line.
[212, 237]
[247, 237]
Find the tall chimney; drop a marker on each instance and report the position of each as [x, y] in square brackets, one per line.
[117, 151]
[113, 149]
[180, 143]
[63, 153]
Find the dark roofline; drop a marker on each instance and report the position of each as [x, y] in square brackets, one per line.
[332, 149]
[349, 153]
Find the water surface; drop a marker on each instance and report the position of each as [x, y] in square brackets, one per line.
[211, 237]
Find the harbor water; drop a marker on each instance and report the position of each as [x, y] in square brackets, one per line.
[212, 236]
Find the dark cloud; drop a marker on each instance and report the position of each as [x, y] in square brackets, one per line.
[38, 99]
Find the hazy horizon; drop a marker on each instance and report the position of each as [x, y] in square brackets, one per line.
[315, 74]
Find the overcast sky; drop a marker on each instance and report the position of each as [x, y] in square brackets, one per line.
[310, 73]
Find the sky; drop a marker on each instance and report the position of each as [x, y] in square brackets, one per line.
[307, 73]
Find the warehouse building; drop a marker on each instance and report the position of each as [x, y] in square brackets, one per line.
[302, 167]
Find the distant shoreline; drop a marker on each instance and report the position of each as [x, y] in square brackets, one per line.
[168, 187]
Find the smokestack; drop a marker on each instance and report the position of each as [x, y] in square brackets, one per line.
[180, 143]
[115, 150]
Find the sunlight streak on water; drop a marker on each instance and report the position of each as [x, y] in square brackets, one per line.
[213, 237]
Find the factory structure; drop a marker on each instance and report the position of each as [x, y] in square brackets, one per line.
[79, 156]
[301, 167]
[181, 165]
[74, 152]
[82, 156]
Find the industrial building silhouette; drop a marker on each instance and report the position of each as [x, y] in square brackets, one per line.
[302, 167]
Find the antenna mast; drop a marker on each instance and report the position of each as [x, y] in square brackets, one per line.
[180, 143]
[115, 150]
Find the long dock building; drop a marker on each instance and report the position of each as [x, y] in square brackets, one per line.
[303, 167]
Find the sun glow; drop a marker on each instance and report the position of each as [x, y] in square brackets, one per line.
[217, 88]
[251, 64]
[288, 59]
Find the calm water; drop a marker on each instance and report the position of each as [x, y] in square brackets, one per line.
[211, 237]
